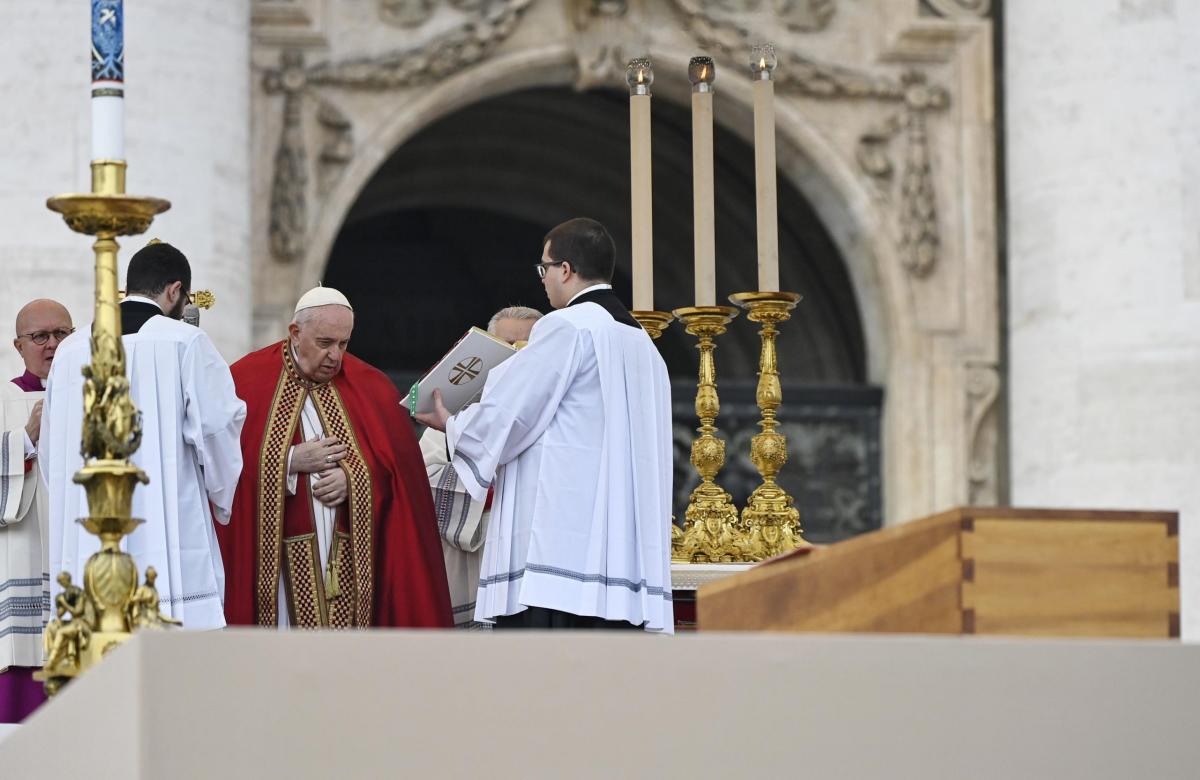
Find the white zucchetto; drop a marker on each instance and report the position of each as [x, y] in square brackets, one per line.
[322, 296]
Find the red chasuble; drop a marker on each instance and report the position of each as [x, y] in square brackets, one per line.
[386, 566]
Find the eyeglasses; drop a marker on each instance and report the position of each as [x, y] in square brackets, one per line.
[40, 337]
[541, 267]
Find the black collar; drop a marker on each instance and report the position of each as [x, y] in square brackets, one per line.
[135, 314]
[608, 301]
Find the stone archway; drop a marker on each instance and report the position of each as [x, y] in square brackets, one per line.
[547, 155]
[879, 111]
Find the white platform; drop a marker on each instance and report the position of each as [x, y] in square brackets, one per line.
[454, 704]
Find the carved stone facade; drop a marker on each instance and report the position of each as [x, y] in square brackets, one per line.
[884, 123]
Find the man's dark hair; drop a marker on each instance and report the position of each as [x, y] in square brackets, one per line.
[586, 246]
[154, 267]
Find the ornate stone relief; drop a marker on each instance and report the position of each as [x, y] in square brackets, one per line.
[486, 24]
[602, 26]
[414, 13]
[983, 388]
[603, 32]
[953, 9]
[796, 15]
[405, 13]
[912, 95]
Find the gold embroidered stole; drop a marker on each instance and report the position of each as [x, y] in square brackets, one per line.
[349, 600]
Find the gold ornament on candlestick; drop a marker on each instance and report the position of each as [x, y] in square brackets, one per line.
[710, 533]
[653, 322]
[769, 520]
[203, 299]
[94, 619]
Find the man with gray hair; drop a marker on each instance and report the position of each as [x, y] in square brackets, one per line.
[462, 521]
[333, 525]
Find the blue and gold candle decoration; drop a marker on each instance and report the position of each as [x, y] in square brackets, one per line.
[108, 80]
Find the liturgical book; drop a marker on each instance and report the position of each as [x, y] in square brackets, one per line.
[461, 373]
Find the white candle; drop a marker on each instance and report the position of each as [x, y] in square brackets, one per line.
[640, 76]
[108, 80]
[762, 63]
[702, 73]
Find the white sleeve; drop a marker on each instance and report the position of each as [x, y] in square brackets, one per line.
[514, 412]
[459, 515]
[293, 479]
[213, 418]
[16, 486]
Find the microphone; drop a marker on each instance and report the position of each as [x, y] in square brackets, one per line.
[191, 314]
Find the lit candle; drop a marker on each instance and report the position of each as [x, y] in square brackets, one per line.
[108, 80]
[702, 72]
[762, 62]
[640, 76]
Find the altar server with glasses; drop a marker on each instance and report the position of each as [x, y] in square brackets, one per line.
[575, 432]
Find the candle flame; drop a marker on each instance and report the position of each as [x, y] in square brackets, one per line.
[641, 76]
[762, 63]
[704, 73]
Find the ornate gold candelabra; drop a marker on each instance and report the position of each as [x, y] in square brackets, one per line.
[770, 521]
[710, 533]
[654, 322]
[93, 620]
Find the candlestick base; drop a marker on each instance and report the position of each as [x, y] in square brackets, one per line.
[711, 533]
[770, 522]
[653, 322]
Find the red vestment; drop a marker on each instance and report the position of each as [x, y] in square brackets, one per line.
[396, 575]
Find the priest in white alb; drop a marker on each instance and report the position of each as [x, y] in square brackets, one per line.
[575, 431]
[191, 427]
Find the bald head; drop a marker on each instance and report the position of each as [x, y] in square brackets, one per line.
[44, 320]
[42, 310]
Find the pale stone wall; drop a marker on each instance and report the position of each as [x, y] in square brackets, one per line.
[1102, 157]
[187, 140]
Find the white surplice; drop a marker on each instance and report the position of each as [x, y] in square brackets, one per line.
[576, 431]
[191, 426]
[462, 524]
[24, 578]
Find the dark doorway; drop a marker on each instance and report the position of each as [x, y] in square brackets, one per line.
[449, 230]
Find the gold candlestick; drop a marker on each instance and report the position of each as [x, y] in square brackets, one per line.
[769, 520]
[710, 533]
[653, 322]
[92, 620]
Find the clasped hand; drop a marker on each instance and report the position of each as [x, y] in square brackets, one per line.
[329, 487]
[320, 458]
[317, 455]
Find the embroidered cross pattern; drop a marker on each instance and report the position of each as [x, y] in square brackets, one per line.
[465, 370]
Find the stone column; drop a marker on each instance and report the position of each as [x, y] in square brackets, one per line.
[187, 126]
[1102, 121]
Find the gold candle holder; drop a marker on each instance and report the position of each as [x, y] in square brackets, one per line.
[653, 322]
[710, 533]
[769, 520]
[92, 620]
